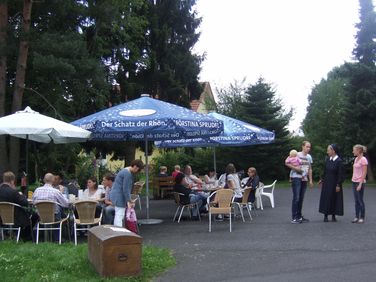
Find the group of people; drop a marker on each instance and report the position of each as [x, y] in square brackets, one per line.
[331, 198]
[116, 191]
[189, 186]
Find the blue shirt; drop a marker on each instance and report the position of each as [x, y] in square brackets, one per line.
[121, 190]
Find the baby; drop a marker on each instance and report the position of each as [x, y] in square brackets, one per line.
[294, 160]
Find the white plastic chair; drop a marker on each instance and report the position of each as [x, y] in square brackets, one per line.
[270, 194]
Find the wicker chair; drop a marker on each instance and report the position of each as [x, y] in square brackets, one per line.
[180, 207]
[7, 219]
[46, 212]
[223, 199]
[86, 216]
[136, 191]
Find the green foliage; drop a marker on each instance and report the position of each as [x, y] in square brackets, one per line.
[200, 159]
[79, 49]
[365, 49]
[66, 262]
[257, 104]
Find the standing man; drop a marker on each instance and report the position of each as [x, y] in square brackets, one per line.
[299, 182]
[109, 209]
[120, 194]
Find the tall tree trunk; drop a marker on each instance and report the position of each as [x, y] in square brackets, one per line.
[14, 146]
[3, 80]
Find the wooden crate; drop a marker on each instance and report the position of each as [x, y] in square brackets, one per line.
[114, 251]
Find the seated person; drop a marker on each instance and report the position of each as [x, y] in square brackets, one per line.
[232, 181]
[176, 171]
[49, 193]
[189, 196]
[58, 184]
[251, 181]
[109, 209]
[9, 193]
[191, 179]
[210, 178]
[92, 192]
[163, 171]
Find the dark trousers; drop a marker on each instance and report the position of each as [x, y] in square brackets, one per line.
[360, 210]
[298, 190]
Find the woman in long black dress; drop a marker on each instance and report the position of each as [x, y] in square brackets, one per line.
[331, 199]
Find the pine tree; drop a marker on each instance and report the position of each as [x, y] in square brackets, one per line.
[260, 107]
[365, 49]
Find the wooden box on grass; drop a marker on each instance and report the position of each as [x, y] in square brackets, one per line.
[114, 251]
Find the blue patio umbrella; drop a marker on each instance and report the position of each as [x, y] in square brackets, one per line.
[235, 133]
[149, 120]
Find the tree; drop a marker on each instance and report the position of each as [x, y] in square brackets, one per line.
[324, 121]
[3, 74]
[260, 106]
[172, 69]
[365, 48]
[360, 112]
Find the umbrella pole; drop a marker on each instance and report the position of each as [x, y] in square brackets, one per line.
[147, 220]
[147, 177]
[27, 157]
[215, 161]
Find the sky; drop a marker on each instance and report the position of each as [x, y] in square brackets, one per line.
[292, 44]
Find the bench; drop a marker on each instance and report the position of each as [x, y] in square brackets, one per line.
[162, 185]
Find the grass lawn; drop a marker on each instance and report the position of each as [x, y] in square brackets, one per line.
[66, 262]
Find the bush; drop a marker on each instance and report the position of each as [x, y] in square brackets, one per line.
[201, 159]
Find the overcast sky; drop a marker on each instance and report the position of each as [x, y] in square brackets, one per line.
[293, 44]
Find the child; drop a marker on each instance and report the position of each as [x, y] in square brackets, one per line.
[294, 160]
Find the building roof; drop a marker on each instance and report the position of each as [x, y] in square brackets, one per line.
[199, 105]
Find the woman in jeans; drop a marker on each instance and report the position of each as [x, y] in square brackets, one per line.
[358, 181]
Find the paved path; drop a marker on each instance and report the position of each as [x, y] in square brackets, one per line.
[270, 248]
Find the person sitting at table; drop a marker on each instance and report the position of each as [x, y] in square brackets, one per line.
[58, 184]
[163, 171]
[108, 209]
[211, 177]
[92, 192]
[232, 181]
[188, 197]
[191, 179]
[48, 193]
[251, 181]
[9, 193]
[176, 171]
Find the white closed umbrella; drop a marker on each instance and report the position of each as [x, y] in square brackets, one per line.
[31, 125]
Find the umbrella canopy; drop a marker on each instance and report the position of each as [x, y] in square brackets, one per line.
[235, 133]
[31, 125]
[28, 124]
[151, 119]
[148, 119]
